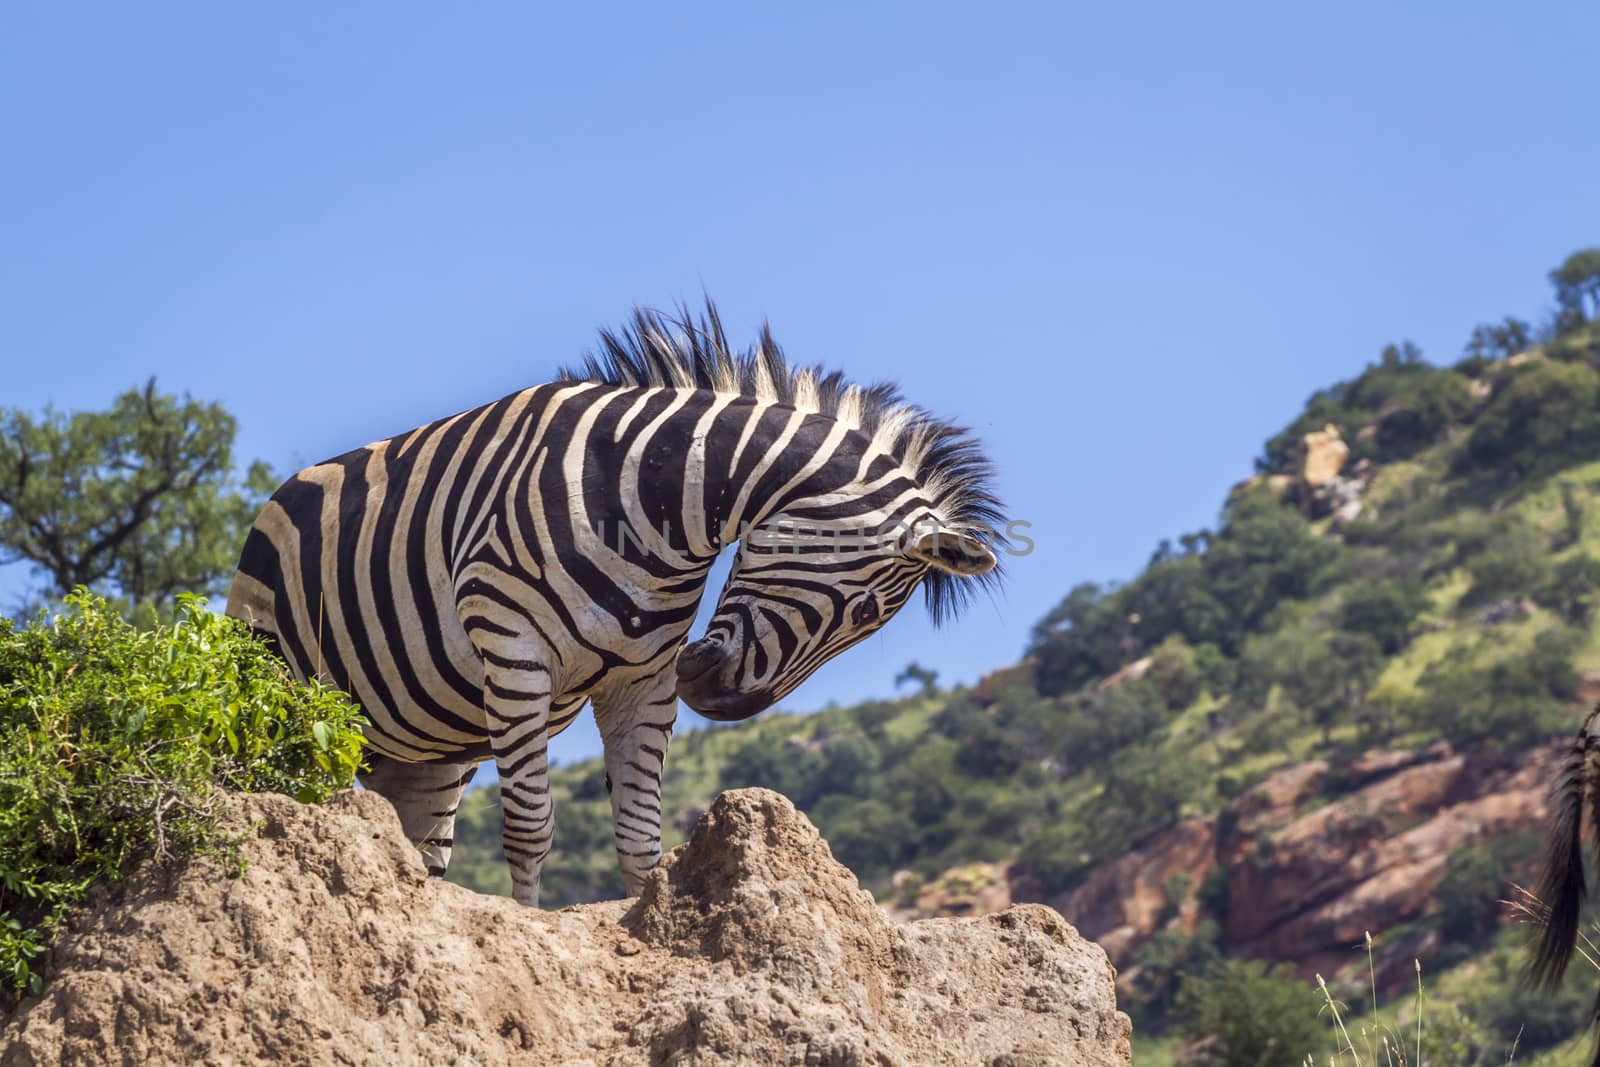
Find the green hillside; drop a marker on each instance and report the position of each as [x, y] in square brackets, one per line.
[1441, 584]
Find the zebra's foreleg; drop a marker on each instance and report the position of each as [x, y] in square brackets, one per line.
[425, 796]
[636, 724]
[517, 705]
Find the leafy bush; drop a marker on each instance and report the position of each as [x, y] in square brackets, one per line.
[1533, 1019]
[1218, 593]
[868, 836]
[1513, 564]
[1177, 673]
[1240, 1014]
[1544, 417]
[1093, 728]
[1325, 674]
[1518, 701]
[787, 766]
[1170, 957]
[1384, 611]
[1571, 588]
[1476, 879]
[114, 741]
[1056, 856]
[1083, 638]
[1420, 417]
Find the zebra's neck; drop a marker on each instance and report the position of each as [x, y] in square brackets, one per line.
[695, 470]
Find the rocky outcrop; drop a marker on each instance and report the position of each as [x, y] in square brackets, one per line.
[1130, 673]
[1304, 880]
[1325, 453]
[750, 944]
[1326, 488]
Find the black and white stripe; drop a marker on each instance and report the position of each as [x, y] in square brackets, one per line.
[474, 582]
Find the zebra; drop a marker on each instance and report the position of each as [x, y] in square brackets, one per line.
[473, 583]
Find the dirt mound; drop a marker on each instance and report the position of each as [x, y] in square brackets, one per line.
[750, 944]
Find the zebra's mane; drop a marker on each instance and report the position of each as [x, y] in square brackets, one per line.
[657, 350]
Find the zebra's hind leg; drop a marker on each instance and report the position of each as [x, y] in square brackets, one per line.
[425, 796]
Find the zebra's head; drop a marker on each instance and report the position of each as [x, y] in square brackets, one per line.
[831, 454]
[795, 600]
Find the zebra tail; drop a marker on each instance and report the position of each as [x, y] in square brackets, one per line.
[1562, 887]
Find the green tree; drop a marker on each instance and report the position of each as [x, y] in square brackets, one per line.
[1325, 674]
[1240, 1014]
[1421, 416]
[1572, 588]
[1172, 597]
[1546, 416]
[1518, 701]
[1496, 341]
[927, 680]
[1265, 554]
[1513, 563]
[1572, 518]
[787, 766]
[141, 501]
[1164, 962]
[1577, 283]
[868, 836]
[1175, 672]
[1085, 637]
[1384, 611]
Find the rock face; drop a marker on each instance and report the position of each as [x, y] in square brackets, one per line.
[1304, 881]
[750, 944]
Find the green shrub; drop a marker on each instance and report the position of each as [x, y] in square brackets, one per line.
[785, 765]
[1571, 588]
[1422, 416]
[1164, 962]
[1544, 417]
[1476, 879]
[1175, 672]
[114, 741]
[1240, 1014]
[1532, 1019]
[1383, 610]
[1056, 856]
[1519, 701]
[1515, 563]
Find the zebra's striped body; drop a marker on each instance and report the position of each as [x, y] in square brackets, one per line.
[474, 582]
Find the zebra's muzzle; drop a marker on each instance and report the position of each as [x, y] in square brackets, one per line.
[704, 684]
[698, 660]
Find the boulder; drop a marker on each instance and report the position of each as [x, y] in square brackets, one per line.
[1325, 453]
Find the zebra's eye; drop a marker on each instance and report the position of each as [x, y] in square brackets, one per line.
[865, 610]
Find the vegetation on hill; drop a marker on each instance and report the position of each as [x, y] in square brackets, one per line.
[113, 740]
[1455, 601]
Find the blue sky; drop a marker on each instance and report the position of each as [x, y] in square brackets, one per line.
[1122, 242]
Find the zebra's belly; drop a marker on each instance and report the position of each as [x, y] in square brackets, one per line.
[398, 726]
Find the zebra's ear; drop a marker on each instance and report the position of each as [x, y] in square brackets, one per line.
[953, 552]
